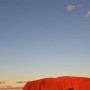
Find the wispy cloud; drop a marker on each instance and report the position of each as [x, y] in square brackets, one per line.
[10, 87]
[2, 82]
[21, 82]
[5, 87]
[70, 7]
[87, 14]
[19, 85]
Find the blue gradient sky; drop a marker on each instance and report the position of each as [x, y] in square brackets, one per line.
[42, 38]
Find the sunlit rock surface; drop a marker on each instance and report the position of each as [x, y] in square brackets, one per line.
[59, 83]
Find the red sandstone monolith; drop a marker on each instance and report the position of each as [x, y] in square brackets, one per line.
[59, 83]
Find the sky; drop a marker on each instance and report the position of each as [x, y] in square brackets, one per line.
[43, 38]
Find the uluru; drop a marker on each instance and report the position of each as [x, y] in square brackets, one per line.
[59, 83]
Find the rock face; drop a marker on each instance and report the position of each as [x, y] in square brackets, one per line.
[59, 83]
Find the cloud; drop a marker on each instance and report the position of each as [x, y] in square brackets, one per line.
[88, 14]
[2, 82]
[10, 87]
[5, 87]
[17, 87]
[70, 7]
[21, 82]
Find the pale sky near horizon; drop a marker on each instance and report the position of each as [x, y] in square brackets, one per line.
[43, 38]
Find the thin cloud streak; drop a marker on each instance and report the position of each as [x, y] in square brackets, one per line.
[2, 82]
[21, 82]
[11, 87]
